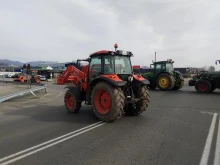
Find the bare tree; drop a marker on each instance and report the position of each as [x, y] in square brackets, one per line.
[211, 69]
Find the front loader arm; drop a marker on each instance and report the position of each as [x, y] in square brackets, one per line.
[76, 76]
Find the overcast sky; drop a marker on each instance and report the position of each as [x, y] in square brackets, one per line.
[63, 30]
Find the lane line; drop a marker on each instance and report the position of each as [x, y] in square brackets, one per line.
[28, 106]
[217, 149]
[39, 145]
[44, 95]
[206, 151]
[50, 145]
[209, 113]
[48, 100]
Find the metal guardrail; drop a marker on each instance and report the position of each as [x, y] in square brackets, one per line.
[21, 93]
[19, 83]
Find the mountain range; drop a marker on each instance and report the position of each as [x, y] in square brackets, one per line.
[6, 62]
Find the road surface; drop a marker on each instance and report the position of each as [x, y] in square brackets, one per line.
[178, 128]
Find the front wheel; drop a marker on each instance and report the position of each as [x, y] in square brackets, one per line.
[107, 102]
[72, 106]
[177, 87]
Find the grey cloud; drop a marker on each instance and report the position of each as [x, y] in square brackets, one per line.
[184, 30]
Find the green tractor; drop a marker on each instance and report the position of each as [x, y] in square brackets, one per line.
[198, 75]
[164, 77]
[206, 82]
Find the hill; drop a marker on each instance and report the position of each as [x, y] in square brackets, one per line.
[6, 62]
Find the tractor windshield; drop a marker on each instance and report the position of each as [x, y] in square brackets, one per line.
[117, 65]
[169, 67]
[123, 65]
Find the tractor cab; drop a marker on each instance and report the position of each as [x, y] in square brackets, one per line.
[106, 62]
[163, 66]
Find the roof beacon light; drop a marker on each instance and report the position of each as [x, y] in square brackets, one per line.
[116, 46]
[170, 60]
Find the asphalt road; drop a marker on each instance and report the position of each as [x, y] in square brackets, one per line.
[178, 128]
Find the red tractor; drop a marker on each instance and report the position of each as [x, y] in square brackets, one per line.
[109, 85]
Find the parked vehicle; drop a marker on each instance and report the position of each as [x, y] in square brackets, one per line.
[164, 77]
[206, 82]
[43, 78]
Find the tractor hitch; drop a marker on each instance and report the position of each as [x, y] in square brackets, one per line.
[192, 82]
[133, 100]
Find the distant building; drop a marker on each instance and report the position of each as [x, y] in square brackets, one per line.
[145, 67]
[53, 65]
[181, 70]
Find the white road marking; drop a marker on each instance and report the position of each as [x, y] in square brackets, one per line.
[44, 95]
[217, 149]
[70, 135]
[28, 106]
[206, 151]
[209, 113]
[53, 98]
[24, 102]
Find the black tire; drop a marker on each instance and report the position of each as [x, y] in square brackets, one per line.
[180, 86]
[141, 105]
[75, 107]
[213, 88]
[171, 82]
[203, 86]
[152, 85]
[117, 100]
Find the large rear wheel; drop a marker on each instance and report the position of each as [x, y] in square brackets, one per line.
[141, 105]
[71, 104]
[177, 87]
[213, 88]
[107, 102]
[152, 85]
[203, 86]
[165, 82]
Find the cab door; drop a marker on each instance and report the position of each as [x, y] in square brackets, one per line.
[95, 67]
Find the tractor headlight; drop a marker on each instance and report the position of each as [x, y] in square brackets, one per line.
[130, 78]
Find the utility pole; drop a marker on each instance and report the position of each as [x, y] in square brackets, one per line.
[155, 56]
